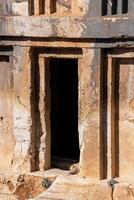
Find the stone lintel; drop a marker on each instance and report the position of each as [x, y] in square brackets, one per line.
[68, 27]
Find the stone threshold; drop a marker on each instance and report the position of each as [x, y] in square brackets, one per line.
[72, 187]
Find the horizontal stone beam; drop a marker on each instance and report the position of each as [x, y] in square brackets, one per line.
[68, 27]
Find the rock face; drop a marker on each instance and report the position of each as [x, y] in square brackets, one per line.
[20, 186]
[66, 95]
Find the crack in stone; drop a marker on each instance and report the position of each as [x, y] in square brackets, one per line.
[112, 183]
[21, 102]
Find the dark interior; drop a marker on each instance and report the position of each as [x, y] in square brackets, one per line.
[115, 7]
[64, 110]
[4, 58]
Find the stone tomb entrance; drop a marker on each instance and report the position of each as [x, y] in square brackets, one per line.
[56, 105]
[118, 113]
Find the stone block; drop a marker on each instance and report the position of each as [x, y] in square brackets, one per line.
[20, 8]
[124, 191]
[100, 192]
[73, 187]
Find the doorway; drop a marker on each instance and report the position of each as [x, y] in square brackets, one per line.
[64, 112]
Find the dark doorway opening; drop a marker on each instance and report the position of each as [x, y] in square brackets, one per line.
[64, 112]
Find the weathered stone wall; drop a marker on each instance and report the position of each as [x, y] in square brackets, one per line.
[89, 117]
[104, 34]
[22, 160]
[126, 116]
[7, 139]
[15, 110]
[15, 7]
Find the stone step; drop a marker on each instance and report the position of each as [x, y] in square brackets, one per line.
[75, 188]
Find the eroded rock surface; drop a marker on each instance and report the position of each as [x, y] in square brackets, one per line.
[20, 187]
